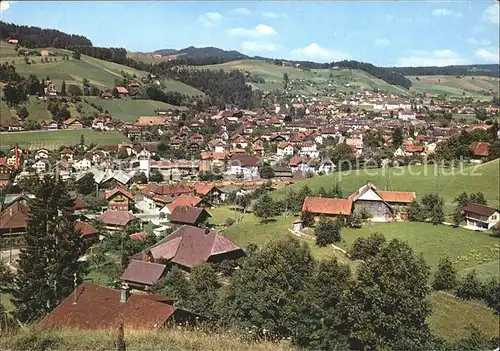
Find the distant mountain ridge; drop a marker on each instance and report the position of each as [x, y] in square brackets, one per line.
[195, 53]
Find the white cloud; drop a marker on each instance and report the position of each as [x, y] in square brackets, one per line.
[443, 57]
[210, 19]
[382, 42]
[262, 30]
[492, 14]
[485, 55]
[243, 11]
[446, 13]
[474, 41]
[4, 5]
[258, 46]
[275, 15]
[316, 53]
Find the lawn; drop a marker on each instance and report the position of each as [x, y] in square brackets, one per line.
[54, 139]
[449, 183]
[127, 109]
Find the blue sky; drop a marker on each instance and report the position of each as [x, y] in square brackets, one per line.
[385, 33]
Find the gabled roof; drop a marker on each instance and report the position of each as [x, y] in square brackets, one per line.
[122, 90]
[143, 272]
[245, 160]
[80, 204]
[14, 216]
[190, 246]
[187, 215]
[85, 228]
[397, 196]
[120, 218]
[118, 190]
[327, 206]
[478, 209]
[184, 200]
[203, 188]
[479, 148]
[139, 236]
[94, 307]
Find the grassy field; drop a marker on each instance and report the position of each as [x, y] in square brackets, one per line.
[306, 81]
[54, 139]
[475, 86]
[421, 179]
[127, 109]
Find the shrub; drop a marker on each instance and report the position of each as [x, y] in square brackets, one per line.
[327, 232]
[445, 277]
[470, 287]
[229, 222]
[366, 248]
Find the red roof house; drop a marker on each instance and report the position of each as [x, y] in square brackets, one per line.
[184, 200]
[14, 219]
[479, 149]
[327, 206]
[121, 90]
[143, 274]
[116, 220]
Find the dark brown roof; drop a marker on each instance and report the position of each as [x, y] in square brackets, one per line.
[14, 216]
[245, 160]
[118, 190]
[85, 228]
[98, 307]
[478, 209]
[120, 218]
[143, 272]
[187, 215]
[190, 246]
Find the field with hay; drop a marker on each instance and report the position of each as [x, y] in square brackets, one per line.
[474, 86]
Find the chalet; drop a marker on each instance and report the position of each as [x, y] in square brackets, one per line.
[106, 95]
[67, 154]
[49, 125]
[282, 172]
[143, 275]
[479, 150]
[284, 149]
[14, 219]
[184, 200]
[5, 172]
[189, 246]
[309, 149]
[247, 165]
[42, 153]
[239, 141]
[208, 191]
[481, 217]
[323, 206]
[182, 215]
[116, 220]
[356, 144]
[93, 307]
[42, 165]
[72, 123]
[299, 164]
[50, 90]
[121, 90]
[119, 199]
[81, 163]
[88, 233]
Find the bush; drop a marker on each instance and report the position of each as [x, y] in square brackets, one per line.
[492, 294]
[366, 248]
[229, 222]
[470, 287]
[307, 219]
[355, 220]
[327, 232]
[445, 277]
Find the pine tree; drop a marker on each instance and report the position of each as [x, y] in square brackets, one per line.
[49, 262]
[445, 277]
[63, 88]
[265, 208]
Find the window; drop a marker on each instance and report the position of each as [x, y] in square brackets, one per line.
[494, 217]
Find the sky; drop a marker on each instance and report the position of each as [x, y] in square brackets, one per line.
[385, 33]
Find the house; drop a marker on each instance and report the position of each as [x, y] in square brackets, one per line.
[93, 307]
[5, 172]
[67, 154]
[72, 123]
[81, 164]
[122, 90]
[298, 164]
[239, 142]
[106, 95]
[44, 53]
[208, 191]
[88, 233]
[50, 90]
[14, 219]
[183, 200]
[309, 149]
[479, 150]
[42, 153]
[356, 144]
[481, 217]
[119, 199]
[282, 172]
[189, 215]
[189, 246]
[247, 165]
[42, 165]
[323, 206]
[116, 220]
[143, 275]
[284, 149]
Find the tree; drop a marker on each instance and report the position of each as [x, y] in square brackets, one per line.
[458, 215]
[86, 184]
[140, 178]
[122, 154]
[397, 137]
[433, 208]
[74, 90]
[387, 305]
[286, 80]
[265, 208]
[156, 176]
[23, 113]
[77, 55]
[203, 279]
[478, 198]
[327, 232]
[416, 212]
[307, 219]
[49, 264]
[266, 172]
[82, 139]
[445, 278]
[63, 88]
[267, 293]
[492, 294]
[470, 287]
[175, 284]
[367, 248]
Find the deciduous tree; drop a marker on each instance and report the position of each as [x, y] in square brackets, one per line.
[327, 232]
[470, 287]
[445, 278]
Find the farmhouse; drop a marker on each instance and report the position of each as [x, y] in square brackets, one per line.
[479, 150]
[93, 307]
[194, 216]
[190, 246]
[14, 219]
[142, 275]
[119, 199]
[481, 217]
[72, 123]
[323, 206]
[116, 220]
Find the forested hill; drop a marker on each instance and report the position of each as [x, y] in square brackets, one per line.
[459, 70]
[197, 53]
[35, 37]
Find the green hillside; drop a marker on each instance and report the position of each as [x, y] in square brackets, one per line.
[420, 179]
[475, 86]
[306, 80]
[52, 140]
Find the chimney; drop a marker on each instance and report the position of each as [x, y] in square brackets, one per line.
[124, 292]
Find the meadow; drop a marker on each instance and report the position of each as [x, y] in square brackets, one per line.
[474, 86]
[52, 140]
